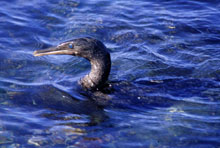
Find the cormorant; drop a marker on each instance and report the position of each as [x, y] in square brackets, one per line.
[90, 49]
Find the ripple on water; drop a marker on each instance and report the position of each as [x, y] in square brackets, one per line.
[164, 79]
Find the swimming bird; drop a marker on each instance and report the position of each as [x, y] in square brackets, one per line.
[91, 49]
[130, 94]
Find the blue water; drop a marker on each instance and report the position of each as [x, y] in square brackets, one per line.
[165, 78]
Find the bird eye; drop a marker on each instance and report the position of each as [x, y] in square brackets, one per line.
[71, 46]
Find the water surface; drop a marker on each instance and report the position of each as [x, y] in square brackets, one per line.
[165, 78]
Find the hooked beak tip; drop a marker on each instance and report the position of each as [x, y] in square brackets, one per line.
[35, 54]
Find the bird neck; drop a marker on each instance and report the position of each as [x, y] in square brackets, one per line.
[100, 69]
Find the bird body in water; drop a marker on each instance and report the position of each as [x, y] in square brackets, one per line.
[97, 54]
[91, 49]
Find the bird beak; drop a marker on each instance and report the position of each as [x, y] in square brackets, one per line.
[52, 51]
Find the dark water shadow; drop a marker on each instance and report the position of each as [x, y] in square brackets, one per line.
[51, 98]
